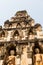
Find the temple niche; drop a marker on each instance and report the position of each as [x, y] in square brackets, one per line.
[21, 41]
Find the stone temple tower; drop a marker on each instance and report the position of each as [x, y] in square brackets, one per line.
[24, 34]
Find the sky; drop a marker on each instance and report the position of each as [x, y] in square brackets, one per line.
[8, 8]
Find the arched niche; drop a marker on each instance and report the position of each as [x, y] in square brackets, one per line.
[27, 23]
[10, 47]
[37, 53]
[31, 34]
[16, 35]
[18, 25]
[3, 34]
[10, 25]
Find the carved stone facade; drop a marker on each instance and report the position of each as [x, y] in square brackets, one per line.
[26, 36]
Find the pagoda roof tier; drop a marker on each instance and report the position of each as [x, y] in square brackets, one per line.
[21, 13]
[16, 17]
[15, 21]
[18, 21]
[16, 28]
[22, 41]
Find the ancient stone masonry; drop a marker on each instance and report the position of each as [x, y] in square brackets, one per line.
[22, 34]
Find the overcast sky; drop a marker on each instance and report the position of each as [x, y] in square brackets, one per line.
[9, 7]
